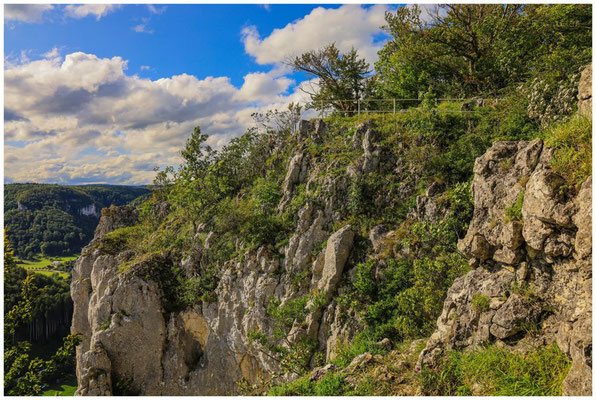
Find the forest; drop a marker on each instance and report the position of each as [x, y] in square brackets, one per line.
[47, 220]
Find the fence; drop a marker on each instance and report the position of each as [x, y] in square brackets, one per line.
[396, 105]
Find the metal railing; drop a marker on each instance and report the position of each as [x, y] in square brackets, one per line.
[362, 106]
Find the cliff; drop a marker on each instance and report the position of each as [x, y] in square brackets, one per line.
[300, 302]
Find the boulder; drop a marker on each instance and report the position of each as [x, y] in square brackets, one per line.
[336, 254]
[516, 314]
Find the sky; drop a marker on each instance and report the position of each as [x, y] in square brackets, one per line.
[100, 93]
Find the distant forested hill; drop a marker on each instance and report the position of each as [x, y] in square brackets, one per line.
[56, 219]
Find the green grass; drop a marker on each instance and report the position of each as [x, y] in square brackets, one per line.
[493, 371]
[65, 387]
[42, 264]
[572, 144]
[329, 385]
[480, 302]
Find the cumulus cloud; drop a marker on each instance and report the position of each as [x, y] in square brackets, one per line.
[26, 12]
[81, 118]
[262, 86]
[84, 10]
[348, 26]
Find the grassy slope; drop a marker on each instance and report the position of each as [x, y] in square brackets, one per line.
[42, 264]
[65, 387]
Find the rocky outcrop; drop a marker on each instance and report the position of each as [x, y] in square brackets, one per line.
[89, 210]
[530, 249]
[133, 342]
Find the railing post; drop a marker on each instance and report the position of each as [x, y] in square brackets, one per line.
[394, 106]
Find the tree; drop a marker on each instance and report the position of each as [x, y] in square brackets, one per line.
[196, 190]
[342, 79]
[24, 376]
[480, 49]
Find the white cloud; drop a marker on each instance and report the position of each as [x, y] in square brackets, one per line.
[54, 53]
[156, 10]
[262, 86]
[145, 68]
[428, 12]
[25, 12]
[348, 26]
[84, 10]
[82, 118]
[142, 28]
[79, 118]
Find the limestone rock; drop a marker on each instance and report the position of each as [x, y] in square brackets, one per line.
[377, 235]
[583, 220]
[499, 177]
[320, 372]
[115, 217]
[336, 254]
[585, 91]
[515, 314]
[523, 266]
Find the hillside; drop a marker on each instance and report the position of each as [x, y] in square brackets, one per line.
[58, 220]
[438, 243]
[341, 242]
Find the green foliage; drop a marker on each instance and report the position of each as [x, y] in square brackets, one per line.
[494, 371]
[25, 375]
[572, 144]
[471, 49]
[480, 302]
[343, 78]
[514, 211]
[364, 342]
[293, 356]
[329, 385]
[48, 220]
[105, 325]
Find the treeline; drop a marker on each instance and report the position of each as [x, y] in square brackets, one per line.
[531, 52]
[35, 308]
[51, 312]
[58, 220]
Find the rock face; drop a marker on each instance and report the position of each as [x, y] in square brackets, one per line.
[132, 344]
[585, 92]
[531, 249]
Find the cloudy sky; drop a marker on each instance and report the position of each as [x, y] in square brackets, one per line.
[103, 94]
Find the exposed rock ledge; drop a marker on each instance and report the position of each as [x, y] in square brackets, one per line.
[132, 344]
[536, 272]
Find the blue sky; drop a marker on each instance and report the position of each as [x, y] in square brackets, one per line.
[201, 40]
[100, 93]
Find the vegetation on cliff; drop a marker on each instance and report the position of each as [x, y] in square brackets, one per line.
[401, 183]
[220, 206]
